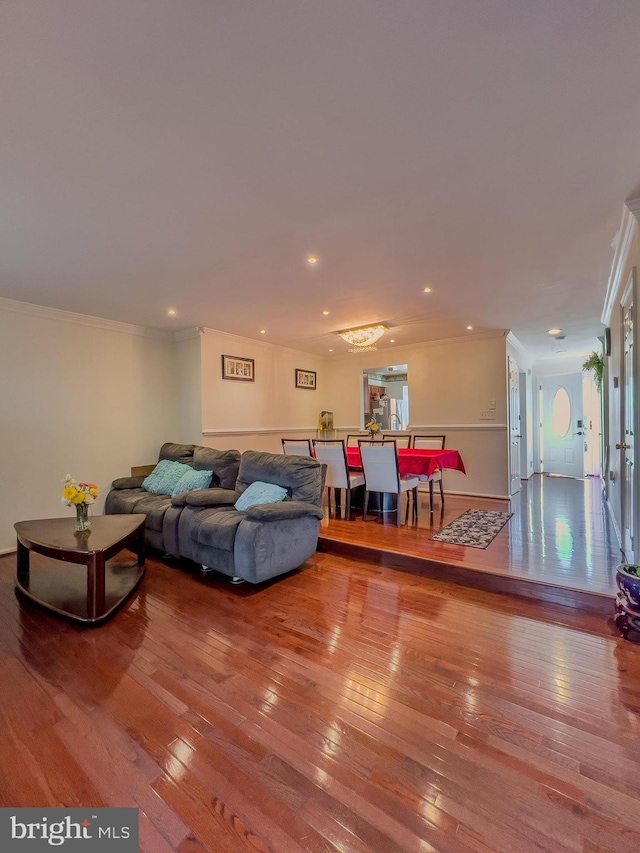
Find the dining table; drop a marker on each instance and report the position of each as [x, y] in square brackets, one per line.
[417, 461]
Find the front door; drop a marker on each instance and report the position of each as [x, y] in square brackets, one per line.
[514, 428]
[563, 431]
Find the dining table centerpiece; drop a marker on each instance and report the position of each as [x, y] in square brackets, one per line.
[373, 426]
[80, 496]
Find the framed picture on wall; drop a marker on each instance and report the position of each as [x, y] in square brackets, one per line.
[235, 367]
[306, 379]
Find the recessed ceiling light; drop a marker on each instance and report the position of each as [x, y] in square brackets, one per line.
[469, 328]
[426, 290]
[263, 331]
[172, 312]
[330, 350]
[554, 331]
[325, 313]
[312, 260]
[392, 341]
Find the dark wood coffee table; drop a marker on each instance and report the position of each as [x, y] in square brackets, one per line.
[86, 596]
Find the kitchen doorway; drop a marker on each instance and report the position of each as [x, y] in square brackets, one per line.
[385, 397]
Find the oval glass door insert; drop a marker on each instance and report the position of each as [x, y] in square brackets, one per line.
[561, 421]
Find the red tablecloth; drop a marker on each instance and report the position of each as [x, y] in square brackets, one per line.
[419, 461]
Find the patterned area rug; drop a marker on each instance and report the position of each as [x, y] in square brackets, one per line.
[475, 527]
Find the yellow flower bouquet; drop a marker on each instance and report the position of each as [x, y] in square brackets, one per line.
[373, 427]
[79, 495]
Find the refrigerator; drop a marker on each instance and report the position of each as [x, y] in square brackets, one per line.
[388, 411]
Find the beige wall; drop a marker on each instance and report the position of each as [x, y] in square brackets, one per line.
[89, 400]
[93, 398]
[450, 383]
[255, 415]
[189, 380]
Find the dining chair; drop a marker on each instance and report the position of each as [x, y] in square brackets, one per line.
[297, 447]
[353, 438]
[332, 452]
[401, 439]
[430, 442]
[382, 474]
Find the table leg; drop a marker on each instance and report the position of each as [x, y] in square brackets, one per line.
[23, 565]
[95, 586]
[140, 546]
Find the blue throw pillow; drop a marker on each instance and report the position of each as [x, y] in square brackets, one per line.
[260, 493]
[164, 477]
[192, 480]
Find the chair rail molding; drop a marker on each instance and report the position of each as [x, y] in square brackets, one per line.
[470, 427]
[258, 430]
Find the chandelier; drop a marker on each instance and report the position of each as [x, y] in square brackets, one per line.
[363, 339]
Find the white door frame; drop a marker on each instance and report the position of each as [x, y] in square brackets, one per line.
[629, 424]
[515, 434]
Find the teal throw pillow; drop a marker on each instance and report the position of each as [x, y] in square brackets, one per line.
[192, 480]
[260, 493]
[164, 477]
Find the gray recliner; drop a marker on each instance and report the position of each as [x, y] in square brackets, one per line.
[265, 540]
[161, 523]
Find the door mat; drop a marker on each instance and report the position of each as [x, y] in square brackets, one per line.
[475, 527]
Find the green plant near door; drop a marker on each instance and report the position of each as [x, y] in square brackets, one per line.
[595, 364]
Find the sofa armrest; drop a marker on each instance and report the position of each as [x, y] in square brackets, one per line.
[283, 510]
[206, 497]
[127, 483]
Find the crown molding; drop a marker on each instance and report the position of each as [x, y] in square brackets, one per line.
[630, 218]
[388, 352]
[187, 334]
[58, 314]
[262, 344]
[515, 343]
[634, 206]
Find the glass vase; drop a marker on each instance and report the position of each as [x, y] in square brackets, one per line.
[82, 517]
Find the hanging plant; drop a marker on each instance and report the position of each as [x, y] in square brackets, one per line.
[595, 364]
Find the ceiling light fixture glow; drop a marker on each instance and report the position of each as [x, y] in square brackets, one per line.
[325, 313]
[469, 328]
[172, 312]
[363, 339]
[554, 331]
[426, 290]
[312, 259]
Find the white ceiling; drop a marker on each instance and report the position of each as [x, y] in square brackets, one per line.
[157, 153]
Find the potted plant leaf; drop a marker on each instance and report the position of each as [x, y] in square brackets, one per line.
[595, 364]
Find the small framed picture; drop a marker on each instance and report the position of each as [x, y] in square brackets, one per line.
[306, 379]
[235, 367]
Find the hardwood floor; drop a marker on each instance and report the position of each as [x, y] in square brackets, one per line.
[344, 707]
[559, 546]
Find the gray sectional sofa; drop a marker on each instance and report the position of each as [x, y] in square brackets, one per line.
[256, 544]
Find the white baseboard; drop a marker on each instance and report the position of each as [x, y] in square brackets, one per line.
[422, 488]
[614, 524]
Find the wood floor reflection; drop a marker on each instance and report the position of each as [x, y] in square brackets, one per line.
[344, 707]
[559, 545]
